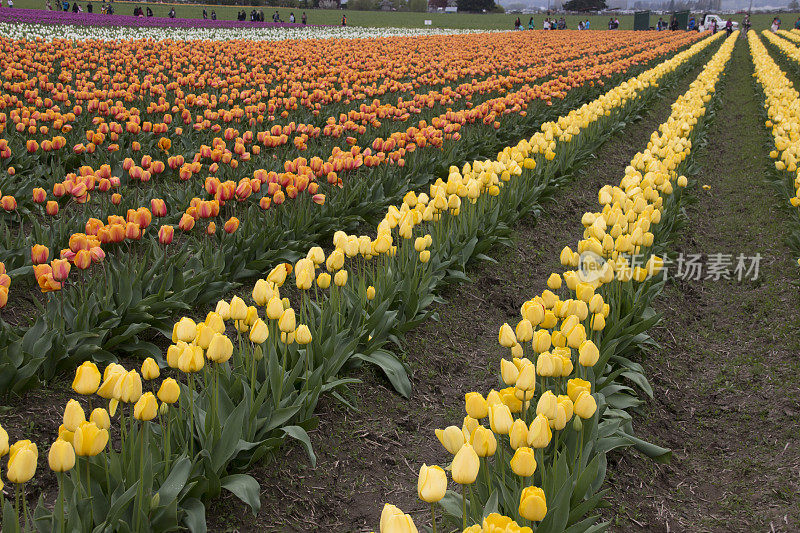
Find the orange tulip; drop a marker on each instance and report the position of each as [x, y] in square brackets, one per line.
[165, 234]
[39, 254]
[60, 269]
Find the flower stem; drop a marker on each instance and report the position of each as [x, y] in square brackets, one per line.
[433, 517]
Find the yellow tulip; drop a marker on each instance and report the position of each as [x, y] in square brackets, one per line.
[533, 504]
[100, 417]
[324, 280]
[220, 349]
[150, 369]
[451, 438]
[61, 457]
[191, 359]
[524, 330]
[547, 405]
[89, 440]
[146, 408]
[74, 415]
[506, 336]
[518, 436]
[204, 335]
[262, 292]
[483, 441]
[22, 459]
[3, 441]
[370, 293]
[431, 484]
[575, 386]
[585, 405]
[476, 405]
[526, 381]
[223, 309]
[524, 462]
[278, 275]
[465, 465]
[554, 281]
[588, 353]
[508, 372]
[500, 419]
[173, 354]
[539, 434]
[541, 340]
[87, 379]
[169, 392]
[274, 308]
[65, 434]
[238, 309]
[287, 322]
[393, 520]
[340, 279]
[259, 332]
[303, 335]
[185, 330]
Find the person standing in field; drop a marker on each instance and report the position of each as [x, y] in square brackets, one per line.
[344, 20]
[746, 25]
[729, 27]
[304, 18]
[776, 25]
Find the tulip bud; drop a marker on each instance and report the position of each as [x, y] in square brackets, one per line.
[465, 465]
[223, 309]
[539, 434]
[61, 457]
[431, 484]
[146, 407]
[324, 280]
[287, 322]
[500, 419]
[278, 275]
[262, 292]
[506, 336]
[39, 254]
[370, 293]
[588, 354]
[87, 379]
[541, 341]
[303, 335]
[533, 504]
[150, 369]
[238, 309]
[509, 372]
[185, 330]
[483, 441]
[451, 438]
[554, 281]
[22, 459]
[524, 331]
[585, 405]
[73, 415]
[3, 441]
[169, 392]
[547, 405]
[259, 332]
[340, 279]
[101, 418]
[393, 520]
[523, 463]
[476, 405]
[518, 436]
[526, 381]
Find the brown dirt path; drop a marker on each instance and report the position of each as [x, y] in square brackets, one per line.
[727, 398]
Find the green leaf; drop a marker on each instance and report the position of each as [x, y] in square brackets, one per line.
[392, 367]
[245, 488]
[195, 519]
[176, 480]
[298, 433]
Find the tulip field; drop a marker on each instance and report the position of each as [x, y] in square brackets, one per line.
[231, 261]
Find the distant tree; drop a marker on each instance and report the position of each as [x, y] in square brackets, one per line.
[436, 4]
[476, 6]
[794, 5]
[585, 5]
[419, 6]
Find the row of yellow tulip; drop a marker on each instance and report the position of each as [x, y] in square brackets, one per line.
[782, 108]
[562, 337]
[284, 346]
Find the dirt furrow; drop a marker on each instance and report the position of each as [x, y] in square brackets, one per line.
[725, 379]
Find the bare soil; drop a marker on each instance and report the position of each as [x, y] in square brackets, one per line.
[725, 380]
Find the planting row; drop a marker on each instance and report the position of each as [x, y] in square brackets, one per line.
[534, 452]
[243, 377]
[116, 280]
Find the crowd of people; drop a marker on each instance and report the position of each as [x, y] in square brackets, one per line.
[107, 8]
[551, 24]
